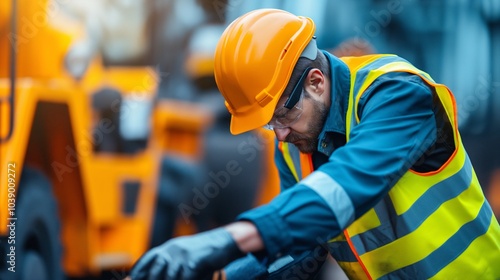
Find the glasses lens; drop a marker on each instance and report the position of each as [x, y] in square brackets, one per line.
[286, 117]
[269, 126]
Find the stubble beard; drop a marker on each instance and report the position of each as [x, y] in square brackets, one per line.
[308, 143]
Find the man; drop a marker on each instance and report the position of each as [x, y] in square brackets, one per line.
[370, 161]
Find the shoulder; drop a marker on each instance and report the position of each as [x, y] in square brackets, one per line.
[399, 89]
[399, 83]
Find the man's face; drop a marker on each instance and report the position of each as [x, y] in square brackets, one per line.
[305, 132]
[302, 123]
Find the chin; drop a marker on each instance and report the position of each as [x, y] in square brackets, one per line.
[306, 148]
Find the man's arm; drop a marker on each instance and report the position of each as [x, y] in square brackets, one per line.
[397, 127]
[246, 236]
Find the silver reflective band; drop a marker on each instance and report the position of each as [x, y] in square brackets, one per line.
[334, 195]
[279, 263]
[311, 50]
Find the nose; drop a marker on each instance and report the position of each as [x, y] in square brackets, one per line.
[282, 133]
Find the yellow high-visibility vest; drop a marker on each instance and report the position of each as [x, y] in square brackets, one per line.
[433, 225]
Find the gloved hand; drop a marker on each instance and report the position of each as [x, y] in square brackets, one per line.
[192, 257]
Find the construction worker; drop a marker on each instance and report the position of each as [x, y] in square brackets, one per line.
[370, 160]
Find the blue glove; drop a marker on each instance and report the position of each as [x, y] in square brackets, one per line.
[192, 257]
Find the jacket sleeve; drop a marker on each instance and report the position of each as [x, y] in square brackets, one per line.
[397, 126]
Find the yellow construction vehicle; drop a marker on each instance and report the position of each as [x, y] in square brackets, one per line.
[76, 196]
[79, 187]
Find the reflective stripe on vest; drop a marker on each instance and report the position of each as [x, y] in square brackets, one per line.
[300, 164]
[431, 225]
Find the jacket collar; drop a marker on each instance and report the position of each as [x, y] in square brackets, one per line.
[340, 80]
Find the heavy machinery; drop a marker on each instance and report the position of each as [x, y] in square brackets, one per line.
[84, 158]
[77, 195]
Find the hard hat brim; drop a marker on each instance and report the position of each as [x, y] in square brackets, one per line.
[253, 119]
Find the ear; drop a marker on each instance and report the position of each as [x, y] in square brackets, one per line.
[316, 82]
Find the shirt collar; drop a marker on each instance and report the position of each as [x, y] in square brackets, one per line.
[339, 93]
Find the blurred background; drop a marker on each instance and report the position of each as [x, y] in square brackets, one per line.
[120, 139]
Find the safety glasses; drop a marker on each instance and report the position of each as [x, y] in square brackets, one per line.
[291, 110]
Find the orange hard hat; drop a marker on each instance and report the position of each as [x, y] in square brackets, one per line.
[254, 60]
